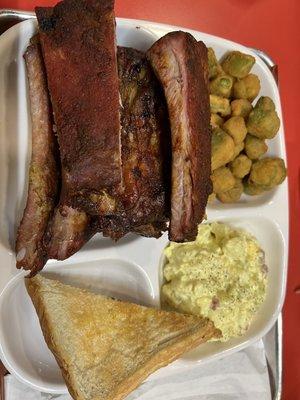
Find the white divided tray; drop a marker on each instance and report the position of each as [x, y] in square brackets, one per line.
[131, 268]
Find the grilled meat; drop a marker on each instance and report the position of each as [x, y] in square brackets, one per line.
[180, 63]
[68, 230]
[78, 43]
[43, 171]
[142, 207]
[145, 137]
[119, 163]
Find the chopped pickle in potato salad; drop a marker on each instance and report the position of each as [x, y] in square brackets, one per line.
[221, 275]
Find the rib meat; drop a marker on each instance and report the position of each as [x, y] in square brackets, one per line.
[145, 137]
[43, 172]
[78, 43]
[180, 63]
[68, 230]
[142, 205]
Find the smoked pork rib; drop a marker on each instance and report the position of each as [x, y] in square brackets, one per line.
[180, 63]
[144, 138]
[43, 171]
[142, 205]
[78, 43]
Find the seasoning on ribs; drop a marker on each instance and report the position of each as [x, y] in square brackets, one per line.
[43, 171]
[180, 63]
[78, 43]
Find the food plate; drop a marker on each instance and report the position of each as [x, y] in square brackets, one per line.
[130, 269]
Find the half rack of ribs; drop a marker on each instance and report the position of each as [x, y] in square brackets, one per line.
[142, 202]
[132, 134]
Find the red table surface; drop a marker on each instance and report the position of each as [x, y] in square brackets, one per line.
[272, 26]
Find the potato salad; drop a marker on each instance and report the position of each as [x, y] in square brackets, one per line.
[221, 275]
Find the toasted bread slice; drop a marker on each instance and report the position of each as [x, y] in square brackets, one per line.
[104, 347]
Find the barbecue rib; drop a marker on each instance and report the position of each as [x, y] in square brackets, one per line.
[43, 172]
[78, 43]
[145, 138]
[180, 63]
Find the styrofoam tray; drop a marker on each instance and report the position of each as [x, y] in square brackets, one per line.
[131, 268]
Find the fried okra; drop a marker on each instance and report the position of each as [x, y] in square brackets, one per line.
[241, 166]
[255, 147]
[216, 120]
[265, 103]
[222, 180]
[268, 172]
[238, 64]
[240, 130]
[237, 149]
[222, 148]
[236, 128]
[232, 195]
[247, 88]
[241, 108]
[219, 105]
[214, 68]
[263, 121]
[251, 189]
[221, 86]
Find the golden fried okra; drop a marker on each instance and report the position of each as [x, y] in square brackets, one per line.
[236, 128]
[268, 172]
[247, 88]
[241, 108]
[216, 120]
[214, 68]
[237, 149]
[255, 147]
[222, 180]
[265, 103]
[241, 166]
[232, 195]
[222, 148]
[221, 86]
[263, 121]
[219, 105]
[238, 64]
[251, 189]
